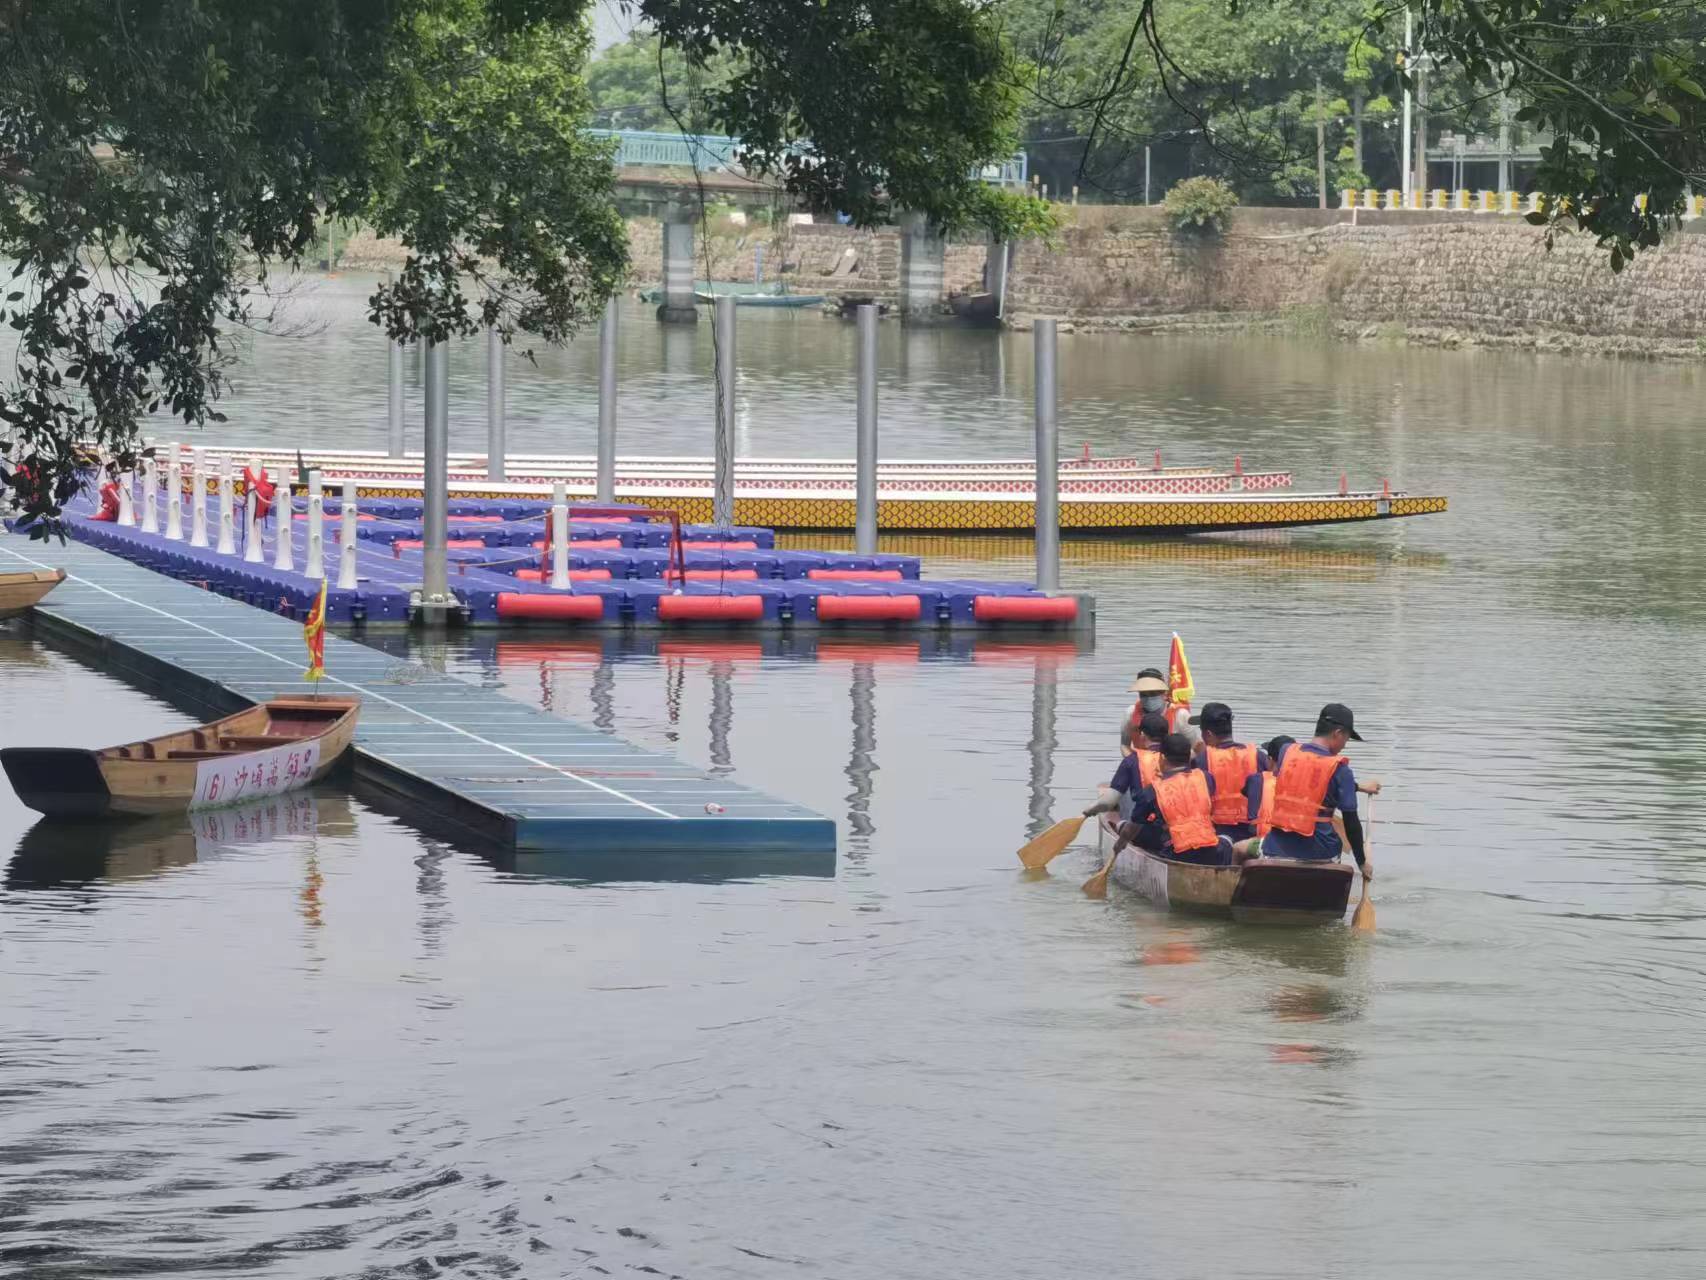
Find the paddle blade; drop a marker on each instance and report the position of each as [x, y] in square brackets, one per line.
[1097, 885]
[1363, 917]
[1041, 851]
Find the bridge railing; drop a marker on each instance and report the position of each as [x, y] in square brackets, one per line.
[639, 149]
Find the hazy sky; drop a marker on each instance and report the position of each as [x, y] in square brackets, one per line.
[609, 23]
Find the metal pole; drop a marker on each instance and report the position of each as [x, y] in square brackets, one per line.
[1320, 148]
[1409, 174]
[560, 536]
[227, 519]
[723, 485]
[1146, 173]
[865, 499]
[495, 449]
[435, 478]
[394, 392]
[607, 335]
[174, 494]
[316, 526]
[347, 517]
[394, 402]
[1048, 460]
[198, 500]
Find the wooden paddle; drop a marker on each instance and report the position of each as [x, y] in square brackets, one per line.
[1041, 851]
[1363, 917]
[1097, 885]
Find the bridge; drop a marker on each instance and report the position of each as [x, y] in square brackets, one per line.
[654, 170]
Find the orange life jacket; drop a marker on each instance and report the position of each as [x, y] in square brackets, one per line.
[1265, 814]
[1301, 790]
[1231, 768]
[1183, 800]
[1148, 767]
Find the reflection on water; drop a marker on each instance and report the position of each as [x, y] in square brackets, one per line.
[703, 1071]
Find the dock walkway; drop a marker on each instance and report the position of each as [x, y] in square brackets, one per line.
[492, 766]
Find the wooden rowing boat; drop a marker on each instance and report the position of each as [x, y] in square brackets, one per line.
[278, 746]
[22, 591]
[1265, 891]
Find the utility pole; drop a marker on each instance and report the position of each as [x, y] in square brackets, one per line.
[1408, 177]
[1320, 148]
[1422, 124]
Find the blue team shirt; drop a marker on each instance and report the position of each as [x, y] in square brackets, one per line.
[1325, 843]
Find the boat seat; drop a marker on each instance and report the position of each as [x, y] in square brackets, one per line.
[195, 755]
[254, 742]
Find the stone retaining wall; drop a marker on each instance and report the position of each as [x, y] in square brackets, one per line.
[1442, 277]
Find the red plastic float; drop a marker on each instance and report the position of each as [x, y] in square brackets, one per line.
[575, 575]
[722, 575]
[415, 544]
[853, 575]
[564, 608]
[583, 544]
[1023, 608]
[869, 608]
[747, 545]
[712, 608]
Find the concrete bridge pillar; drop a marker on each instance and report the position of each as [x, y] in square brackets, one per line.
[678, 306]
[923, 252]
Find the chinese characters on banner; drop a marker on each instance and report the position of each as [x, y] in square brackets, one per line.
[233, 779]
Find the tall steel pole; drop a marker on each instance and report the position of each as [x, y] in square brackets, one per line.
[495, 446]
[865, 499]
[1048, 459]
[607, 335]
[723, 484]
[435, 478]
[394, 399]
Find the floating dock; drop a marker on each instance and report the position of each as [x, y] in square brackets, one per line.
[1107, 501]
[473, 759]
[620, 574]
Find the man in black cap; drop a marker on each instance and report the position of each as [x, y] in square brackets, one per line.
[1315, 781]
[1236, 768]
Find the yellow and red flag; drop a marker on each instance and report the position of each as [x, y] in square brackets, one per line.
[1180, 689]
[314, 635]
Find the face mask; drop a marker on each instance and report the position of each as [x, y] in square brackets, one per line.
[1152, 701]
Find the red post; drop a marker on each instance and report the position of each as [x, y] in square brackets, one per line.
[1386, 488]
[1344, 484]
[1086, 455]
[1158, 459]
[1237, 464]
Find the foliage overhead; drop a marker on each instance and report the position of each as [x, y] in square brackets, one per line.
[1614, 90]
[1620, 86]
[157, 171]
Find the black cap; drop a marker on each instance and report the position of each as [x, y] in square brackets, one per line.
[1153, 727]
[1215, 717]
[1336, 715]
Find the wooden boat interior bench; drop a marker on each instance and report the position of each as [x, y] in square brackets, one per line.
[275, 724]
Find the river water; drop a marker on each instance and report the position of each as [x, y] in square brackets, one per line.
[312, 1041]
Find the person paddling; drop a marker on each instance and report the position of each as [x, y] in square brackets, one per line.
[1179, 803]
[1237, 770]
[1136, 772]
[1315, 782]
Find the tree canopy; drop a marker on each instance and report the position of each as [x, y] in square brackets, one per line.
[161, 159]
